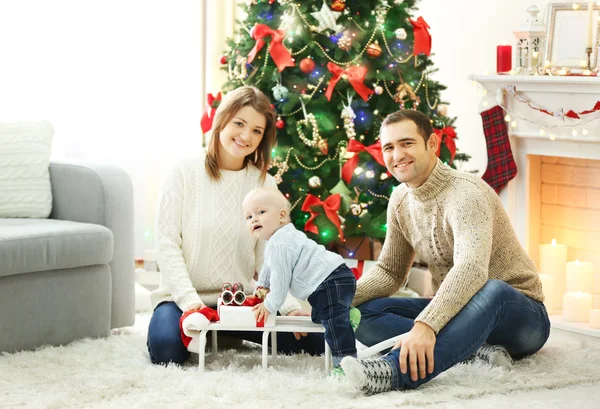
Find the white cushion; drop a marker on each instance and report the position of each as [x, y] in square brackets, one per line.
[24, 176]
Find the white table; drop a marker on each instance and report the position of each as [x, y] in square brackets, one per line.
[282, 324]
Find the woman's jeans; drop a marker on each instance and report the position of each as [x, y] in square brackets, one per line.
[498, 314]
[165, 345]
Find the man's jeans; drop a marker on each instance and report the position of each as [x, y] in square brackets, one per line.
[497, 314]
[330, 304]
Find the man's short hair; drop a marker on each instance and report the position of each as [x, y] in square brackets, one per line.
[421, 120]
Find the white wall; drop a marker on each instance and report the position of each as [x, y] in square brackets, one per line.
[465, 34]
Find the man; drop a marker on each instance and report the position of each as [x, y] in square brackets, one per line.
[487, 288]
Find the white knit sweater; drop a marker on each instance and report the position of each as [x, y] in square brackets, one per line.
[201, 234]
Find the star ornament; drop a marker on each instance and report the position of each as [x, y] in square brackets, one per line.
[326, 18]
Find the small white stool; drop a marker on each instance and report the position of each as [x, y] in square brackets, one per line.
[282, 324]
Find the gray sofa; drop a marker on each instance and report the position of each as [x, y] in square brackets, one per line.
[72, 275]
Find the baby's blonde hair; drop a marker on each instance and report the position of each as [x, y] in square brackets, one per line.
[273, 196]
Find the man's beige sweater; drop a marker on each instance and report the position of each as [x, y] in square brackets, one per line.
[456, 224]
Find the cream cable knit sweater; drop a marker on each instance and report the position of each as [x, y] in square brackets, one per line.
[201, 235]
[456, 224]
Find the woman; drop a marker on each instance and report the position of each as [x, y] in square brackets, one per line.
[201, 236]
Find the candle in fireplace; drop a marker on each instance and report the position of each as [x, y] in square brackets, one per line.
[590, 32]
[580, 276]
[553, 261]
[548, 289]
[577, 306]
[503, 58]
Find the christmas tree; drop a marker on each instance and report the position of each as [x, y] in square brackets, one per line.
[335, 70]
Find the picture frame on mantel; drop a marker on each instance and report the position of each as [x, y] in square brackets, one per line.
[567, 33]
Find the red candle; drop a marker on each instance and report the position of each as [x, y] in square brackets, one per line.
[503, 58]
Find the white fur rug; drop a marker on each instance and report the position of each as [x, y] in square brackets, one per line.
[116, 373]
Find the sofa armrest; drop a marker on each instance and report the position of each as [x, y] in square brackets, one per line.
[101, 194]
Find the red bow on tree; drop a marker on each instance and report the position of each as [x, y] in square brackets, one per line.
[209, 113]
[281, 56]
[355, 75]
[356, 146]
[450, 143]
[331, 205]
[422, 36]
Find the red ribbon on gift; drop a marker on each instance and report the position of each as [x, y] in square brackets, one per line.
[281, 56]
[450, 143]
[355, 75]
[422, 36]
[355, 146]
[331, 205]
[209, 113]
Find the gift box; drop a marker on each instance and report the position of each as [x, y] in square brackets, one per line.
[240, 316]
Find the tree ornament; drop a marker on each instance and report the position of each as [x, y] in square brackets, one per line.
[323, 146]
[374, 50]
[327, 18]
[317, 140]
[341, 189]
[348, 116]
[223, 60]
[400, 34]
[314, 182]
[278, 179]
[370, 174]
[345, 42]
[280, 123]
[442, 109]
[356, 209]
[402, 91]
[384, 176]
[280, 92]
[338, 5]
[378, 90]
[307, 65]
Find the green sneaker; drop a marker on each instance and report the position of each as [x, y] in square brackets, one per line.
[354, 318]
[337, 372]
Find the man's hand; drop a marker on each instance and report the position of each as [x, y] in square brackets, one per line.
[260, 312]
[417, 346]
[298, 313]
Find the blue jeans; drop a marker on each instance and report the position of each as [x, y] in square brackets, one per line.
[165, 345]
[497, 314]
[330, 304]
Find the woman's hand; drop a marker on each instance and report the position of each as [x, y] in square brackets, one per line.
[298, 313]
[195, 308]
[417, 347]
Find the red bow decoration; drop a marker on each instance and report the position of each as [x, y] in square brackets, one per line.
[356, 146]
[209, 113]
[450, 137]
[356, 77]
[281, 56]
[422, 36]
[358, 270]
[331, 205]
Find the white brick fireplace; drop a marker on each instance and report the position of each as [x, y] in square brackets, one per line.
[556, 193]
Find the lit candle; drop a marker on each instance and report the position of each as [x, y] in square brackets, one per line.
[580, 276]
[503, 58]
[590, 24]
[595, 318]
[548, 289]
[577, 306]
[596, 285]
[553, 261]
[595, 300]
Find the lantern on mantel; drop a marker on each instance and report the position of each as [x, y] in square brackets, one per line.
[530, 43]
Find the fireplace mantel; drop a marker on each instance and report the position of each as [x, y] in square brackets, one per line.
[538, 134]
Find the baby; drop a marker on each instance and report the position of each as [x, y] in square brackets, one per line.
[295, 263]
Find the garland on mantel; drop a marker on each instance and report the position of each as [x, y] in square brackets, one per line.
[559, 113]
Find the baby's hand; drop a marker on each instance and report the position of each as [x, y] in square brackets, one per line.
[260, 312]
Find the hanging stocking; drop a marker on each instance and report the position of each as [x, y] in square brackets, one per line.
[501, 166]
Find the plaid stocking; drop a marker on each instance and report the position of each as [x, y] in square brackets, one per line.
[501, 165]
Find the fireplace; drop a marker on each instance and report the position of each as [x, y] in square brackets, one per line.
[556, 193]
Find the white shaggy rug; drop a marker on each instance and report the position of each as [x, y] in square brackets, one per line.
[116, 373]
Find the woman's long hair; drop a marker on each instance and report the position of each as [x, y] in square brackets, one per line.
[231, 104]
